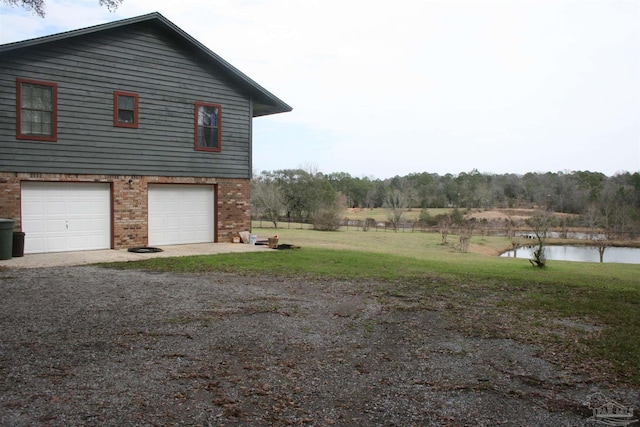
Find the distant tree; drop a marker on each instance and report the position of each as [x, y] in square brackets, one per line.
[602, 244]
[329, 216]
[591, 219]
[297, 187]
[591, 184]
[368, 223]
[306, 191]
[444, 225]
[38, 6]
[354, 189]
[426, 219]
[513, 236]
[396, 202]
[457, 217]
[465, 233]
[540, 224]
[513, 188]
[472, 190]
[267, 199]
[425, 186]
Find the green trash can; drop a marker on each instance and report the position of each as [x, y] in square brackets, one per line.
[6, 238]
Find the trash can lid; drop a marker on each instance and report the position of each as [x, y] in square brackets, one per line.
[6, 224]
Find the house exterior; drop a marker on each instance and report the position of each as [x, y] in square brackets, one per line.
[126, 134]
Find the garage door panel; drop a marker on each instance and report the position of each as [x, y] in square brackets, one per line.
[58, 217]
[180, 214]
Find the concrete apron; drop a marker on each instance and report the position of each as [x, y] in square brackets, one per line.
[58, 259]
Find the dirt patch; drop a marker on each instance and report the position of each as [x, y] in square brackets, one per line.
[92, 346]
[516, 215]
[501, 215]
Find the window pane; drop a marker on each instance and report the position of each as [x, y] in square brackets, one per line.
[41, 123]
[207, 116]
[36, 97]
[36, 109]
[211, 137]
[47, 101]
[201, 114]
[126, 102]
[36, 123]
[125, 116]
[45, 118]
[208, 126]
[46, 129]
[208, 137]
[25, 123]
[26, 96]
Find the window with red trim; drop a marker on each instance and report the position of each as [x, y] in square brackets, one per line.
[37, 110]
[208, 126]
[125, 109]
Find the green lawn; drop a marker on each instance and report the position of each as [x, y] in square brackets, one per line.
[587, 314]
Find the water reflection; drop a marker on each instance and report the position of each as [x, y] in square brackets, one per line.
[581, 254]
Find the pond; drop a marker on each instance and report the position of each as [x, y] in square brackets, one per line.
[581, 254]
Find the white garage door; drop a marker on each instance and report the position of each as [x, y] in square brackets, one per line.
[181, 214]
[58, 217]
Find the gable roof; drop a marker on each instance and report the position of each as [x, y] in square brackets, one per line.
[264, 102]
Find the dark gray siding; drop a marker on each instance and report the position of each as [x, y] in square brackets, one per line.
[168, 75]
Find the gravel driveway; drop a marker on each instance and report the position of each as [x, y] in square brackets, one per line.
[95, 346]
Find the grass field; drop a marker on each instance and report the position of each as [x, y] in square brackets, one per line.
[584, 314]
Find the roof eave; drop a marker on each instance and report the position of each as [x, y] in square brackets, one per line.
[267, 104]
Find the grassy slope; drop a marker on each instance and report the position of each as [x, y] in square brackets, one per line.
[477, 288]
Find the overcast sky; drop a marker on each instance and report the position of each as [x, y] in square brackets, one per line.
[382, 88]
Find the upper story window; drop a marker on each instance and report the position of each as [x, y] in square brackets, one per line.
[208, 126]
[37, 109]
[125, 109]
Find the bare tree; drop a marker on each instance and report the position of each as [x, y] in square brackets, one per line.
[465, 233]
[396, 202]
[38, 6]
[602, 244]
[540, 224]
[622, 220]
[515, 240]
[591, 218]
[444, 225]
[267, 199]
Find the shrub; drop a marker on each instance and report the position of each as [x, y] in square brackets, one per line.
[326, 220]
[329, 216]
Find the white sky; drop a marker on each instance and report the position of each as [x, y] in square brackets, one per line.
[384, 88]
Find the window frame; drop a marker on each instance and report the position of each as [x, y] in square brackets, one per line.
[116, 122]
[196, 144]
[54, 110]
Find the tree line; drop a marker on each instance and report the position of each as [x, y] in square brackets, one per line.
[307, 195]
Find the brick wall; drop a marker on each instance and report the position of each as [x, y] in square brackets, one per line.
[234, 207]
[10, 198]
[130, 208]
